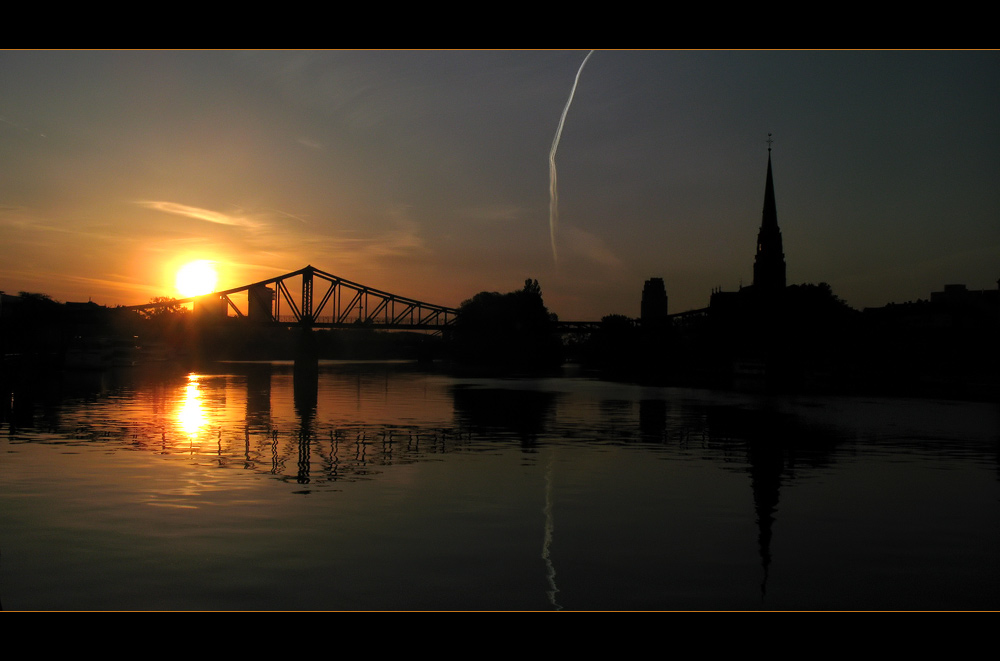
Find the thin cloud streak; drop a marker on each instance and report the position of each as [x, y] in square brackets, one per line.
[590, 248]
[195, 212]
[103, 285]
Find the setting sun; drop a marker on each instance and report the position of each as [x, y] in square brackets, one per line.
[196, 278]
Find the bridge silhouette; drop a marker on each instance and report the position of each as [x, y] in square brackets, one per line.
[343, 304]
[321, 300]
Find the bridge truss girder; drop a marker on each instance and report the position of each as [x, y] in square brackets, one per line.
[342, 304]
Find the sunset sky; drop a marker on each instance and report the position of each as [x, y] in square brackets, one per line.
[426, 173]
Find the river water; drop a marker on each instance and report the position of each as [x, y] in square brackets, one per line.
[385, 486]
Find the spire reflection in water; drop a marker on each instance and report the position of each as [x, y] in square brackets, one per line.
[392, 487]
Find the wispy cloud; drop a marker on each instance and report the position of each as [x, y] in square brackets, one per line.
[26, 280]
[262, 241]
[584, 245]
[14, 220]
[121, 284]
[195, 212]
[401, 240]
[494, 213]
[19, 127]
[311, 144]
[288, 215]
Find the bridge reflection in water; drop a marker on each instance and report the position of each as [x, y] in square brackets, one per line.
[232, 488]
[272, 435]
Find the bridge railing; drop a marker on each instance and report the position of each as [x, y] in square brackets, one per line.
[333, 322]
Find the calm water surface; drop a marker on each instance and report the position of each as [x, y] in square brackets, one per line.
[381, 486]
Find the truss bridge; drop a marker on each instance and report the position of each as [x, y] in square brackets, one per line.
[313, 298]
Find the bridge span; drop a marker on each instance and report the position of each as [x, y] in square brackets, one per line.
[313, 298]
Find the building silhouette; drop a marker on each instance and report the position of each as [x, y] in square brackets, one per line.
[260, 302]
[769, 263]
[773, 336]
[653, 311]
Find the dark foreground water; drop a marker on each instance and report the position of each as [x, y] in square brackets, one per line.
[379, 486]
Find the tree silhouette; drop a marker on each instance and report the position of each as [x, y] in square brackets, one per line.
[510, 331]
[169, 308]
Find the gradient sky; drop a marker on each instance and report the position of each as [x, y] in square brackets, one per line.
[426, 173]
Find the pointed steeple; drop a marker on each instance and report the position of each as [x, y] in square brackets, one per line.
[769, 264]
[770, 218]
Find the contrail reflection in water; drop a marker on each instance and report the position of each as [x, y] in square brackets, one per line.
[550, 570]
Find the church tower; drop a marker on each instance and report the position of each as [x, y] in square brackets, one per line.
[769, 264]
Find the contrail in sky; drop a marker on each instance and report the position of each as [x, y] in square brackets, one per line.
[553, 192]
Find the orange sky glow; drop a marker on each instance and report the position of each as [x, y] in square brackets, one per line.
[426, 173]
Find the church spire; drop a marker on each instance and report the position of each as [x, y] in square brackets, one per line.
[769, 264]
[770, 218]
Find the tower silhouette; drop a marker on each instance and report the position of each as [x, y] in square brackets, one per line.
[654, 302]
[769, 264]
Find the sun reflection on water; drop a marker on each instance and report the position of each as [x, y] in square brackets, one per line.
[192, 415]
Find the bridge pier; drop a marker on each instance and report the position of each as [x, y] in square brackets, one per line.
[305, 373]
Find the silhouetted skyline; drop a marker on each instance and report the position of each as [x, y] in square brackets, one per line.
[426, 173]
